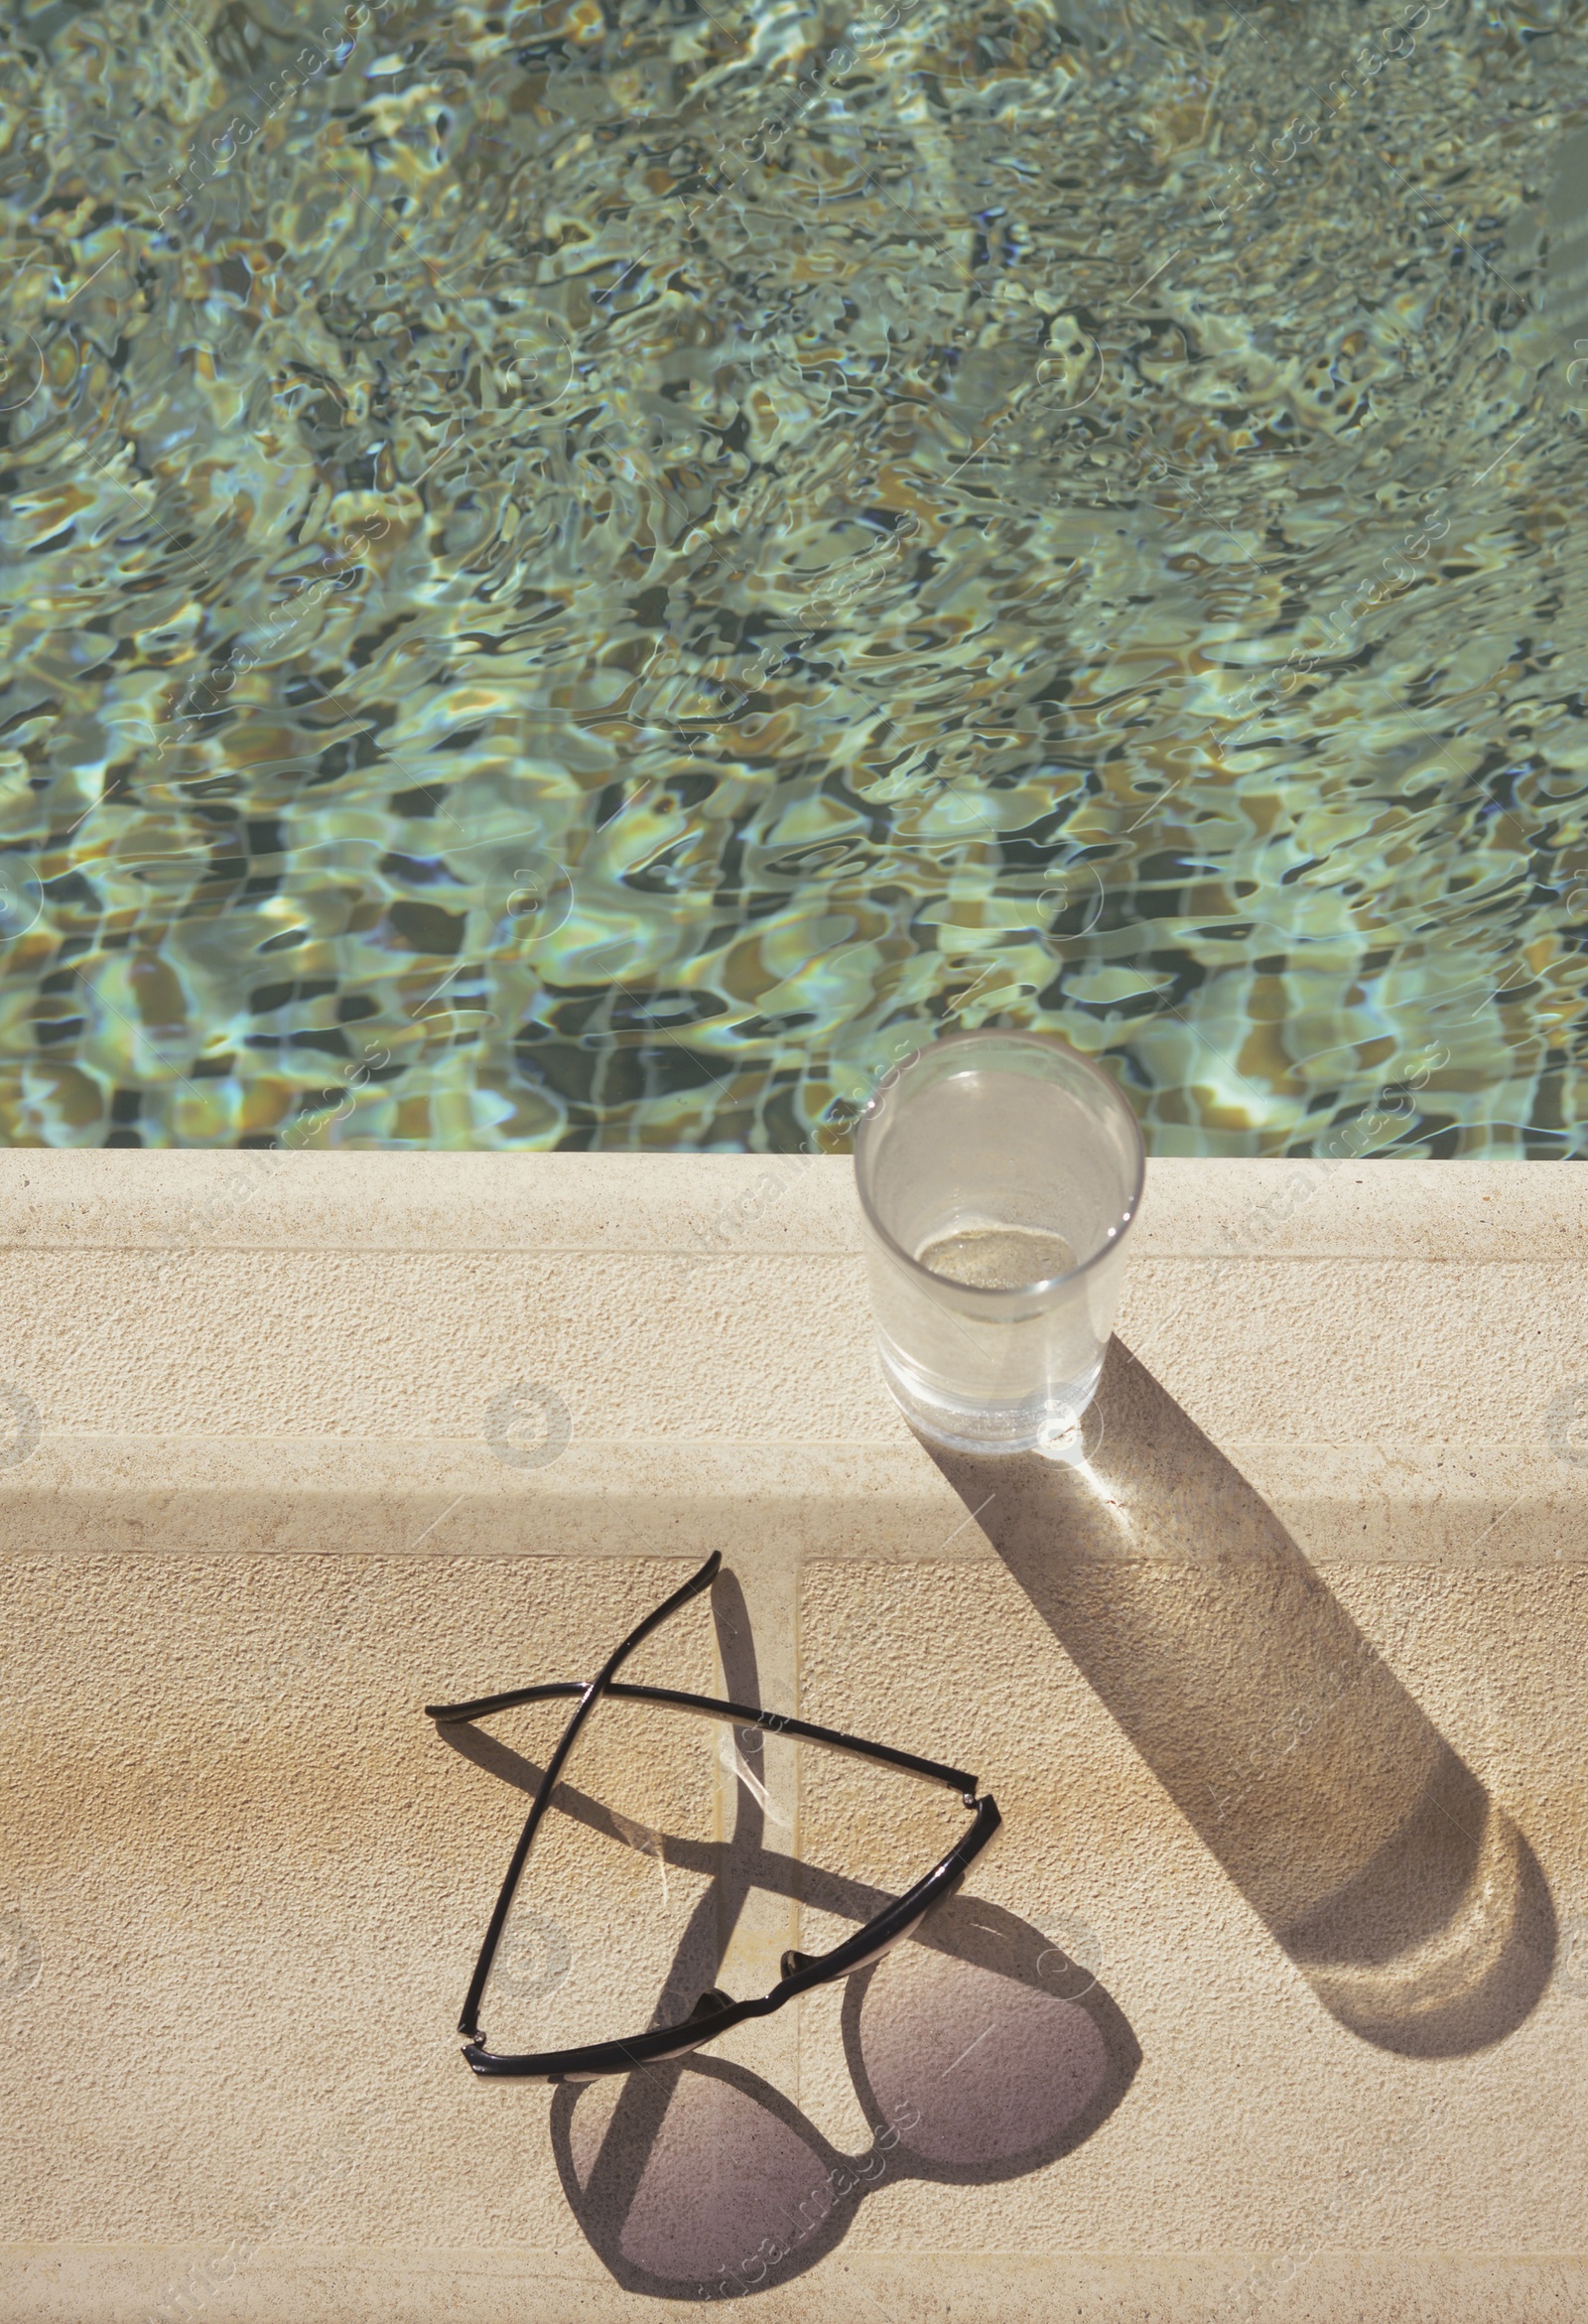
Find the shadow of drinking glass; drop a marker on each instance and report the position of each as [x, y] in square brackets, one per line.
[1412, 1905]
[979, 2051]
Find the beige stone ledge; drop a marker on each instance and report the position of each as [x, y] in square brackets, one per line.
[1285, 1707]
[726, 1204]
[249, 1354]
[508, 2286]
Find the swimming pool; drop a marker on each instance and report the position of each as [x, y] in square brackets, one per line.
[590, 575]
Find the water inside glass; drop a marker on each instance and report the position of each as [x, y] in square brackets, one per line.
[997, 1258]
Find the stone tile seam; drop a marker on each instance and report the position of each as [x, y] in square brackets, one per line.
[436, 1247]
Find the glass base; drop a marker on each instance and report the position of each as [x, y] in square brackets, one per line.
[1054, 1425]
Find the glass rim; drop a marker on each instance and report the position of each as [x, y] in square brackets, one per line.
[1018, 1036]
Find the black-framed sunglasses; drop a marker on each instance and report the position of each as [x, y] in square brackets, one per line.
[715, 2013]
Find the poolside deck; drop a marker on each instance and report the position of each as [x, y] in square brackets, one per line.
[1270, 1999]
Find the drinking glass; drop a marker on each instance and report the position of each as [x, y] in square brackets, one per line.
[999, 1174]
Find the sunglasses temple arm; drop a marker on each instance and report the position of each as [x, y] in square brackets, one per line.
[468, 2022]
[766, 1723]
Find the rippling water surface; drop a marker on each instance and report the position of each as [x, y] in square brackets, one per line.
[590, 575]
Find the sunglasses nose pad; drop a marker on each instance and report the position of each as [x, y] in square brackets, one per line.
[711, 2004]
[792, 1963]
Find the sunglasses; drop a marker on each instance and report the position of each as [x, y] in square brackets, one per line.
[715, 2013]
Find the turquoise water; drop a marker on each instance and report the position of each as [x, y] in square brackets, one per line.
[590, 575]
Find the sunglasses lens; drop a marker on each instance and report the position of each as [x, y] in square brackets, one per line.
[604, 1937]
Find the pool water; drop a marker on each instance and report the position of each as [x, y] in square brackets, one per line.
[592, 574]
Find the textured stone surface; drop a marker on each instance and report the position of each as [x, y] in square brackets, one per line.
[1269, 2000]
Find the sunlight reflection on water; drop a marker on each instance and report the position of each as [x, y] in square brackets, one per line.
[577, 576]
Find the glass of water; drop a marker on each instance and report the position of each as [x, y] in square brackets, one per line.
[999, 1175]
